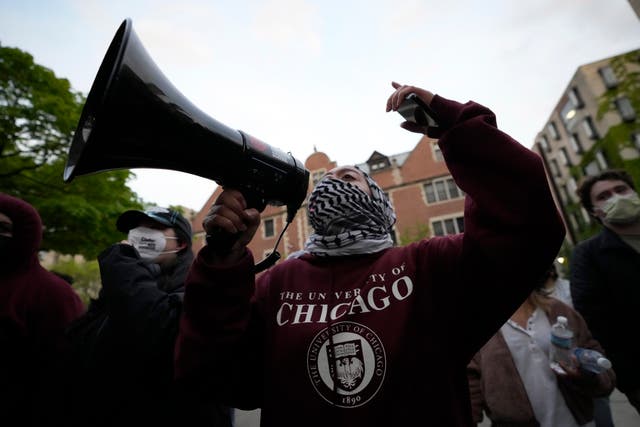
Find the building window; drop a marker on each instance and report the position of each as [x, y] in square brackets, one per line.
[316, 176]
[378, 165]
[575, 98]
[592, 169]
[568, 113]
[602, 161]
[625, 109]
[553, 130]
[585, 216]
[564, 157]
[440, 190]
[589, 128]
[437, 153]
[608, 77]
[269, 228]
[555, 169]
[443, 227]
[564, 194]
[544, 143]
[572, 186]
[574, 139]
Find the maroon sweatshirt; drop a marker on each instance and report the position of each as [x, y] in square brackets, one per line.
[381, 339]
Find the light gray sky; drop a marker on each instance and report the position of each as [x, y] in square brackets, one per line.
[300, 74]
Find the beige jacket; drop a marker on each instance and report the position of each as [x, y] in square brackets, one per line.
[496, 387]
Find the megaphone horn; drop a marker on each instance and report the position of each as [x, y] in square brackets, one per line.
[135, 118]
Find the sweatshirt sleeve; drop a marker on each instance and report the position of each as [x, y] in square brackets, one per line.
[512, 229]
[216, 347]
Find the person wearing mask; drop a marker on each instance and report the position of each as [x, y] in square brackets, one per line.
[35, 308]
[355, 331]
[126, 366]
[605, 273]
[511, 380]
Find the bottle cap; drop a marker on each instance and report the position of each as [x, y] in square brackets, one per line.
[605, 363]
[563, 320]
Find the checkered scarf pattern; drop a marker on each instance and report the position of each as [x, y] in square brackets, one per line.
[347, 221]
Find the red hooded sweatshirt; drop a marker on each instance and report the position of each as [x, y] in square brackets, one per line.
[35, 308]
[381, 339]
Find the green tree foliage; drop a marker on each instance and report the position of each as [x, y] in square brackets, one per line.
[85, 276]
[413, 234]
[619, 137]
[38, 116]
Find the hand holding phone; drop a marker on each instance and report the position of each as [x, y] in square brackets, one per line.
[413, 109]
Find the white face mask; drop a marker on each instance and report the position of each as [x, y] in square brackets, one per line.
[149, 242]
[622, 208]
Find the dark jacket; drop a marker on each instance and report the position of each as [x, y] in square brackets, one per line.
[496, 387]
[128, 378]
[35, 308]
[605, 288]
[385, 338]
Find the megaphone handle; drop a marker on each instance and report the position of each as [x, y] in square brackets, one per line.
[221, 241]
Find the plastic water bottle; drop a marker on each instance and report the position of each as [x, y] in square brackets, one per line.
[591, 360]
[561, 344]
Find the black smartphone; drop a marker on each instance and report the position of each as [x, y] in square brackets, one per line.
[413, 109]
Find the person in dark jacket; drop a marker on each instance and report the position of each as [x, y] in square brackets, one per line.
[355, 331]
[605, 274]
[35, 308]
[129, 374]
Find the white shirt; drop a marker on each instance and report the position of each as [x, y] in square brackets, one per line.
[530, 352]
[562, 291]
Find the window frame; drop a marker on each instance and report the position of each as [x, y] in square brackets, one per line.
[264, 228]
[544, 143]
[553, 130]
[589, 128]
[576, 144]
[457, 221]
[446, 187]
[608, 76]
[625, 109]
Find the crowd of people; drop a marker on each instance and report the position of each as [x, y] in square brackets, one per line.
[352, 330]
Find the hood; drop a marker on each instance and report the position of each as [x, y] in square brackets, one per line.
[27, 231]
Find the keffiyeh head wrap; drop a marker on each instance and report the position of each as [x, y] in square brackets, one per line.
[347, 221]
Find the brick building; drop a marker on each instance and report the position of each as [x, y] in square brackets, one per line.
[422, 191]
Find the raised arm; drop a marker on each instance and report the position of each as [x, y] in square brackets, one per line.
[512, 229]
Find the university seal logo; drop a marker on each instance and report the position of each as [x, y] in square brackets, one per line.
[346, 364]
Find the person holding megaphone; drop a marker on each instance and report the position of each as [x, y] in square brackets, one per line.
[352, 330]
